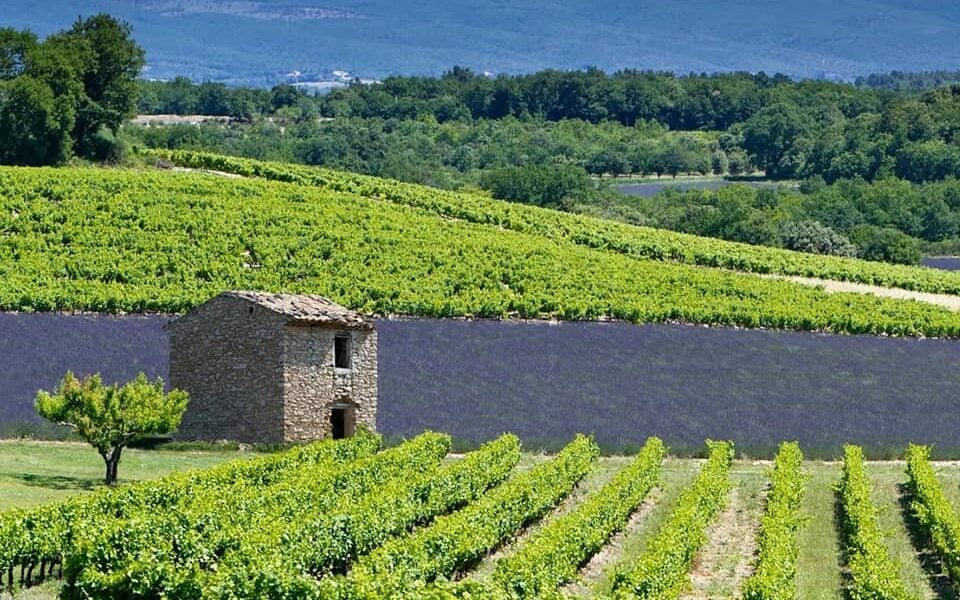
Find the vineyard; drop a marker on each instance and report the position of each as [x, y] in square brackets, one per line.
[150, 241]
[350, 520]
[630, 240]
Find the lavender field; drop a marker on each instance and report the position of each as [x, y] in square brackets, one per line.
[545, 382]
[625, 382]
[947, 263]
[649, 189]
[37, 349]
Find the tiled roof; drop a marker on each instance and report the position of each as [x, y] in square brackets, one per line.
[303, 308]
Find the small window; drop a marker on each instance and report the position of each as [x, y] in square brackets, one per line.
[341, 352]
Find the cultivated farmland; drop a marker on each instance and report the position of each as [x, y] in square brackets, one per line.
[346, 520]
[547, 381]
[644, 242]
[133, 241]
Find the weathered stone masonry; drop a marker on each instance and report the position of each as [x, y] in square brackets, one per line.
[261, 367]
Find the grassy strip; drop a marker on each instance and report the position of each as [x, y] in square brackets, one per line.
[645, 242]
[661, 572]
[874, 575]
[934, 512]
[34, 472]
[779, 548]
[552, 557]
[819, 566]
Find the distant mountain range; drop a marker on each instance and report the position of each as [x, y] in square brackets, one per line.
[265, 42]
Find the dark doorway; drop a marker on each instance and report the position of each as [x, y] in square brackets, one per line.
[338, 421]
[341, 422]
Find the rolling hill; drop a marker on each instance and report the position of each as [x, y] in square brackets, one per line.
[140, 241]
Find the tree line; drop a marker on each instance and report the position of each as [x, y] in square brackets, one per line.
[887, 220]
[459, 154]
[908, 81]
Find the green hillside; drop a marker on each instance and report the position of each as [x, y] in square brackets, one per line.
[126, 240]
[631, 240]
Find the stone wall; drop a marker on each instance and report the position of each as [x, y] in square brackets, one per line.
[312, 385]
[366, 377]
[227, 355]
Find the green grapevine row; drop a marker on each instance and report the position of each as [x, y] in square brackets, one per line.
[874, 574]
[934, 512]
[632, 240]
[661, 571]
[455, 541]
[551, 557]
[328, 542]
[39, 538]
[148, 554]
[776, 569]
[132, 241]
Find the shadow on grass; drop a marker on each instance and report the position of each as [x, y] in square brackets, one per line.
[843, 555]
[56, 482]
[920, 540]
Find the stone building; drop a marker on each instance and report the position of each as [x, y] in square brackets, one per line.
[262, 367]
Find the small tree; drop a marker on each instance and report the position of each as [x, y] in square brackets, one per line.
[110, 417]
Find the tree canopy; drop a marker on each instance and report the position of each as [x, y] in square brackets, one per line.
[60, 96]
[109, 417]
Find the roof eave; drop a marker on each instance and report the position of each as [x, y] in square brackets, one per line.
[365, 325]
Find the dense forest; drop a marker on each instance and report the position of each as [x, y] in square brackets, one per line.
[890, 219]
[789, 129]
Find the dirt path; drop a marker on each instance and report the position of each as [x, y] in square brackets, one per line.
[829, 285]
[727, 558]
[597, 478]
[623, 548]
[593, 571]
[207, 172]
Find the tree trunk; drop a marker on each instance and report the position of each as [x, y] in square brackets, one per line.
[112, 460]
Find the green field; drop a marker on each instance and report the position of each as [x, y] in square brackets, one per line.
[33, 472]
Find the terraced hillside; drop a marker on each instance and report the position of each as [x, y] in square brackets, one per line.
[344, 520]
[135, 241]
